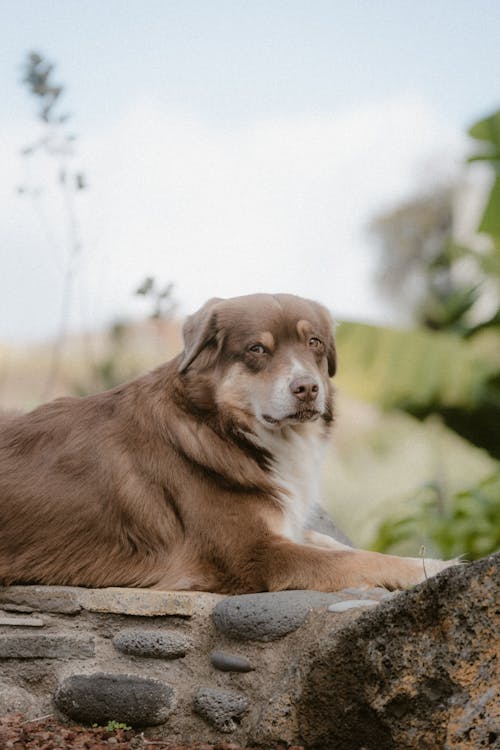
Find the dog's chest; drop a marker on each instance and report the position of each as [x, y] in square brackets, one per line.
[298, 460]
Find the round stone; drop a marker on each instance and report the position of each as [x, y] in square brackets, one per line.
[352, 604]
[15, 699]
[157, 644]
[267, 616]
[221, 708]
[230, 662]
[102, 697]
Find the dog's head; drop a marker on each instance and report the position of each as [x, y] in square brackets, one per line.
[267, 358]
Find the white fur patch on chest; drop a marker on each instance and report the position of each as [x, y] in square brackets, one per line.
[298, 460]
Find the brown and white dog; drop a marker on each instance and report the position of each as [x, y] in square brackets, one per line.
[198, 475]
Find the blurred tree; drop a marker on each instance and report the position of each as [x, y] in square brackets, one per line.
[412, 269]
[426, 271]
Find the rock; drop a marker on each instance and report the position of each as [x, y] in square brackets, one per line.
[159, 644]
[320, 521]
[225, 662]
[221, 708]
[267, 616]
[102, 697]
[59, 599]
[15, 699]
[19, 608]
[144, 602]
[352, 604]
[44, 646]
[375, 593]
[25, 622]
[277, 723]
[419, 671]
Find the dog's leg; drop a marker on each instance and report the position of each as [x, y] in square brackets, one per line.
[303, 566]
[409, 566]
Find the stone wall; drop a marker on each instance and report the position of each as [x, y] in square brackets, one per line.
[352, 669]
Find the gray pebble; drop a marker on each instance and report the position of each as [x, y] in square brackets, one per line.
[221, 708]
[159, 644]
[230, 662]
[267, 616]
[102, 697]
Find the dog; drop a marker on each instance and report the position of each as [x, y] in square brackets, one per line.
[199, 475]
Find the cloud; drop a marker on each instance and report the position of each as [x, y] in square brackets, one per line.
[274, 205]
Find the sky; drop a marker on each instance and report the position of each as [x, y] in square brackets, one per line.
[230, 146]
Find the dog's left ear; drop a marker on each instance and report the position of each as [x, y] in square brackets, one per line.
[331, 351]
[331, 356]
[200, 329]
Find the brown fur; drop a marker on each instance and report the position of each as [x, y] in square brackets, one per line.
[162, 482]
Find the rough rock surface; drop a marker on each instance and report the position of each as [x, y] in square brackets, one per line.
[44, 646]
[383, 671]
[159, 644]
[421, 671]
[16, 699]
[222, 708]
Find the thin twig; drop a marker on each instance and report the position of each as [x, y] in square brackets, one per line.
[39, 718]
[156, 742]
[422, 555]
[74, 248]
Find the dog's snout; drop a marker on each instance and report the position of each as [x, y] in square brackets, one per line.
[305, 388]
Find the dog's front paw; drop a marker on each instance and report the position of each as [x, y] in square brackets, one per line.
[427, 567]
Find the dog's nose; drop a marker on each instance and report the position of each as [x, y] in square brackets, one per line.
[305, 388]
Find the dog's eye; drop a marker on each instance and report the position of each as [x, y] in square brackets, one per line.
[257, 349]
[314, 343]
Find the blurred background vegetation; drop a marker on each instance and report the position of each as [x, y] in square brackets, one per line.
[445, 370]
[416, 459]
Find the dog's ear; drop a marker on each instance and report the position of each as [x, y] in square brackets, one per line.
[200, 329]
[331, 356]
[331, 351]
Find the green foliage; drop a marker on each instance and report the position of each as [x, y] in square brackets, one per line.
[113, 725]
[487, 131]
[439, 281]
[425, 372]
[469, 524]
[452, 370]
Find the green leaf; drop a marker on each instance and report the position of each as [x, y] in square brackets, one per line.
[487, 129]
[490, 221]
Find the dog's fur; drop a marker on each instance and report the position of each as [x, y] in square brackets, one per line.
[198, 475]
